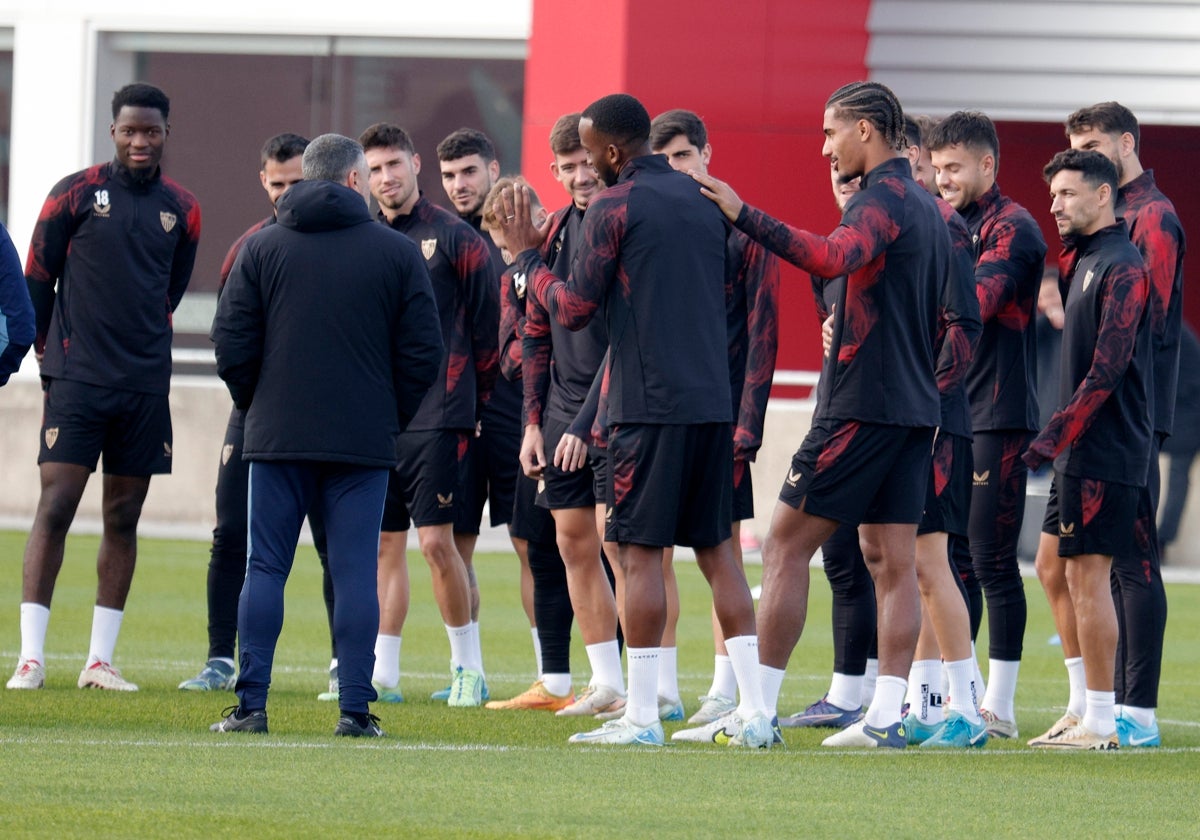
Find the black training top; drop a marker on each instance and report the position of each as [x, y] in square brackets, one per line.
[895, 250]
[1158, 234]
[653, 254]
[1102, 427]
[121, 250]
[468, 301]
[1010, 254]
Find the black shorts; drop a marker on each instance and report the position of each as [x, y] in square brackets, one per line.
[422, 488]
[743, 492]
[530, 521]
[854, 472]
[488, 475]
[1090, 516]
[670, 484]
[948, 492]
[585, 487]
[81, 422]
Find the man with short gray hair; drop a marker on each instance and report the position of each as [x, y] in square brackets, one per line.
[330, 372]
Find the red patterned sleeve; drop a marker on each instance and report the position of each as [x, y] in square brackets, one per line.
[185, 250]
[1124, 302]
[48, 249]
[759, 273]
[1012, 251]
[959, 323]
[868, 227]
[473, 263]
[574, 303]
[512, 322]
[1159, 237]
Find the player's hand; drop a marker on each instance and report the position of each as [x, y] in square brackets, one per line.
[533, 452]
[827, 331]
[1038, 453]
[514, 215]
[571, 453]
[720, 193]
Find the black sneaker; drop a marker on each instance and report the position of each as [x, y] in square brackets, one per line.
[351, 728]
[237, 720]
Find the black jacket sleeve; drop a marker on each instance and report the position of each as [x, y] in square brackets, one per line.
[416, 340]
[238, 330]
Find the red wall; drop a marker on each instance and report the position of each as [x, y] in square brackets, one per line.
[759, 73]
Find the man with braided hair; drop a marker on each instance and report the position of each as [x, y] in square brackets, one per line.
[867, 458]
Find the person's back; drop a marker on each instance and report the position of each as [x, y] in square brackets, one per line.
[325, 313]
[666, 314]
[327, 331]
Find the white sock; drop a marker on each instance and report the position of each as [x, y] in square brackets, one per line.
[537, 649]
[333, 663]
[477, 645]
[605, 659]
[772, 682]
[1076, 700]
[462, 652]
[1099, 716]
[924, 691]
[1139, 715]
[1002, 688]
[641, 706]
[980, 684]
[34, 620]
[845, 691]
[557, 684]
[387, 661]
[106, 625]
[869, 678]
[743, 655]
[889, 697]
[724, 682]
[962, 698]
[668, 673]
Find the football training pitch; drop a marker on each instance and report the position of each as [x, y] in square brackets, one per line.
[118, 765]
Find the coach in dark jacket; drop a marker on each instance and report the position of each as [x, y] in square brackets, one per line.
[327, 333]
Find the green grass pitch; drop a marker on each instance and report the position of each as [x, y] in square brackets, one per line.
[145, 764]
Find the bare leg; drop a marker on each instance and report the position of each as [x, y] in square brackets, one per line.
[1095, 616]
[393, 582]
[1052, 572]
[62, 488]
[941, 601]
[521, 547]
[465, 545]
[645, 594]
[792, 540]
[892, 563]
[591, 596]
[122, 504]
[671, 587]
[451, 584]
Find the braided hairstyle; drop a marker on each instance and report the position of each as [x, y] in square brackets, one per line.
[875, 103]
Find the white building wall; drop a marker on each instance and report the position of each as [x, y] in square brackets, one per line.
[56, 44]
[1037, 60]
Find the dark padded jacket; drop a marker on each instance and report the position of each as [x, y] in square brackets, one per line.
[327, 331]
